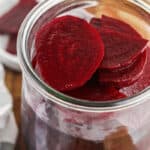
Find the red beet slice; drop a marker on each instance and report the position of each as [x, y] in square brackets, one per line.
[143, 82]
[96, 92]
[11, 21]
[68, 52]
[120, 49]
[28, 1]
[119, 26]
[11, 47]
[114, 24]
[128, 76]
[96, 22]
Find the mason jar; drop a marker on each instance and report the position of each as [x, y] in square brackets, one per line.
[54, 121]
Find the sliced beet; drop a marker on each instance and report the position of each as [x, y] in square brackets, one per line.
[96, 92]
[125, 77]
[143, 82]
[108, 23]
[120, 49]
[28, 1]
[11, 21]
[11, 47]
[68, 52]
[96, 22]
[119, 26]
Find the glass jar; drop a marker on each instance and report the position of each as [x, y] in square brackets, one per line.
[54, 121]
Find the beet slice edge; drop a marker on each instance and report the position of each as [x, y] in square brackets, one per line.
[143, 82]
[126, 77]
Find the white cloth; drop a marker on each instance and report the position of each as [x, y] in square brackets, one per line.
[8, 127]
[9, 133]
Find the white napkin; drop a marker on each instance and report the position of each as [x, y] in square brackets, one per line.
[8, 127]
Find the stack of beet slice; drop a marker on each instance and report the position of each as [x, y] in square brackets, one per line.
[10, 22]
[126, 54]
[143, 82]
[90, 60]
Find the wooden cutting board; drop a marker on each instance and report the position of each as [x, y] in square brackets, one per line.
[13, 82]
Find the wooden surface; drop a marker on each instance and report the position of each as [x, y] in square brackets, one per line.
[13, 82]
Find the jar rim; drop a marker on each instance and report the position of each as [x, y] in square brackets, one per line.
[56, 96]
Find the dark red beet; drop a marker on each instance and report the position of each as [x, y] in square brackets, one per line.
[96, 22]
[11, 47]
[28, 1]
[96, 92]
[120, 49]
[143, 82]
[114, 24]
[11, 21]
[119, 26]
[125, 77]
[68, 52]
